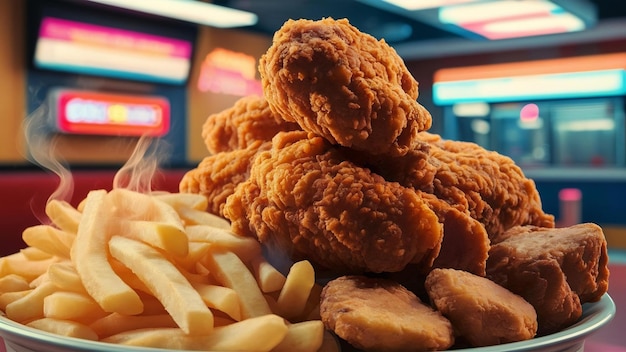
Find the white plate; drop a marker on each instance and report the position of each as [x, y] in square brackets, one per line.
[20, 338]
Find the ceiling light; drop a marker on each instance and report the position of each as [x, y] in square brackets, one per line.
[189, 11]
[511, 18]
[413, 5]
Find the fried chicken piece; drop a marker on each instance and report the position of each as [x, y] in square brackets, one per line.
[487, 185]
[376, 314]
[248, 120]
[217, 175]
[555, 269]
[304, 196]
[344, 85]
[481, 311]
[465, 243]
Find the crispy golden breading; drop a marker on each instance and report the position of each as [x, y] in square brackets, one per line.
[487, 185]
[248, 120]
[556, 270]
[217, 175]
[305, 197]
[465, 243]
[481, 311]
[376, 314]
[343, 85]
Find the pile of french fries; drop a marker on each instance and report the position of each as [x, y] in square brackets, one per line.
[156, 270]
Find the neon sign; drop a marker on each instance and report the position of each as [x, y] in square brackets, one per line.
[229, 72]
[83, 112]
[85, 48]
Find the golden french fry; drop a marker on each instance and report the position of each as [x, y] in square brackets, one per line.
[31, 305]
[63, 215]
[8, 297]
[71, 306]
[267, 276]
[64, 328]
[198, 217]
[306, 336]
[221, 298]
[166, 283]
[115, 323]
[19, 264]
[245, 248]
[231, 272]
[139, 206]
[13, 283]
[184, 200]
[169, 238]
[90, 258]
[295, 293]
[128, 276]
[35, 254]
[49, 239]
[65, 277]
[197, 250]
[261, 333]
[149, 220]
[39, 280]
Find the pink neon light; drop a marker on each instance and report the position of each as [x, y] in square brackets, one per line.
[60, 29]
[529, 112]
[570, 194]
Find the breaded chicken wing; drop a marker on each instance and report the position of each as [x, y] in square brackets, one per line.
[306, 198]
[217, 175]
[343, 85]
[248, 120]
[487, 185]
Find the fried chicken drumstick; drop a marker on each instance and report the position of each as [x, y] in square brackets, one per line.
[343, 85]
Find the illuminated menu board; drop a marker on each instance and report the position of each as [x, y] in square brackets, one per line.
[85, 48]
[96, 113]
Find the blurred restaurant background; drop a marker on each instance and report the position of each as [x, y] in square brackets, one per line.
[543, 82]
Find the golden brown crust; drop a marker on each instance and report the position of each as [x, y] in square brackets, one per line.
[556, 270]
[303, 196]
[216, 176]
[381, 315]
[248, 120]
[488, 186]
[481, 312]
[344, 85]
[465, 243]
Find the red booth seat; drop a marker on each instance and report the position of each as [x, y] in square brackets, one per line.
[23, 195]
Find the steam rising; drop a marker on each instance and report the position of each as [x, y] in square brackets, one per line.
[42, 151]
[136, 174]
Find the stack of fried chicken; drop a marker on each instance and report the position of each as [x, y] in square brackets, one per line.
[335, 164]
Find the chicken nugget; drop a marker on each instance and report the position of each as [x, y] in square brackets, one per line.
[555, 269]
[377, 314]
[481, 311]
